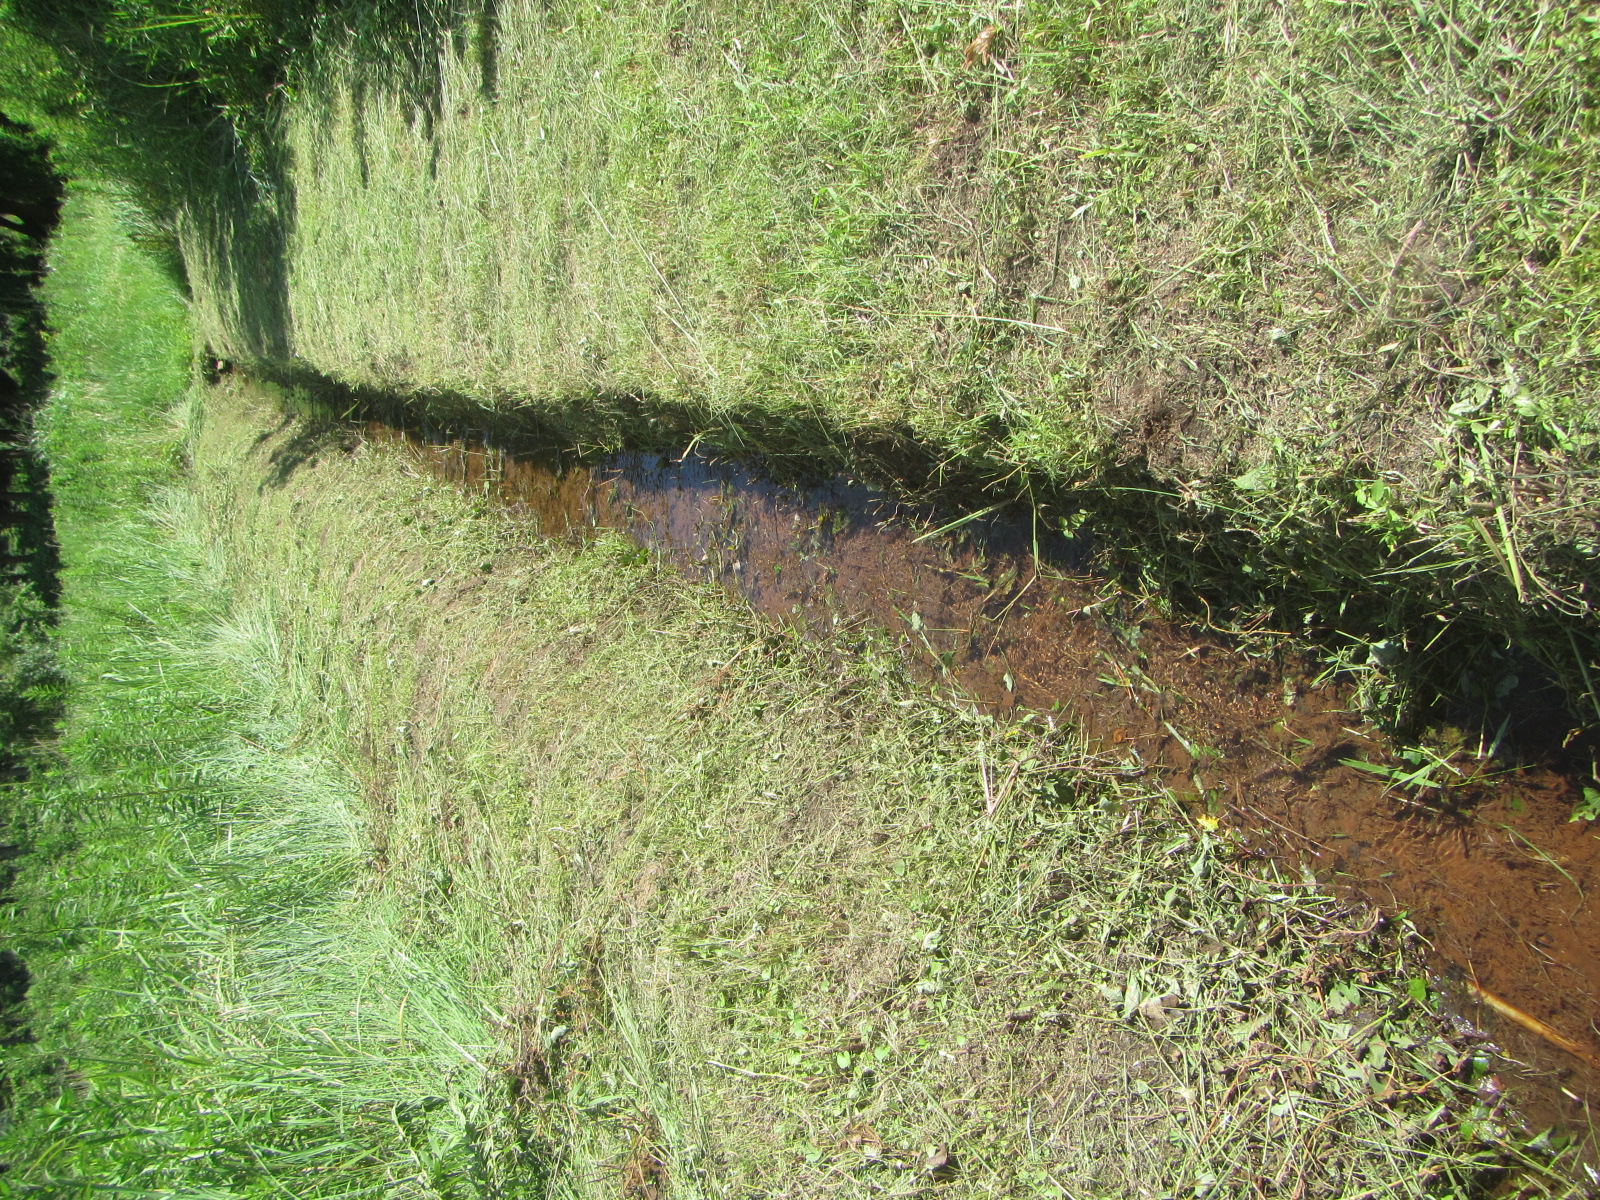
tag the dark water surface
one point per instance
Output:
(1490, 869)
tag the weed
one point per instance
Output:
(1420, 769)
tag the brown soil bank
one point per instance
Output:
(1293, 303)
(762, 915)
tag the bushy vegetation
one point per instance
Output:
(167, 96)
(30, 200)
(30, 194)
(29, 678)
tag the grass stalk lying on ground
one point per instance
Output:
(190, 903)
(392, 850)
(1297, 301)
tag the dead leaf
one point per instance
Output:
(1155, 1008)
(982, 48)
(860, 1136)
(644, 1175)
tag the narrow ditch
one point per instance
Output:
(1478, 847)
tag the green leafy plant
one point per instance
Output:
(1419, 769)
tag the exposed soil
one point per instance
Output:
(1489, 866)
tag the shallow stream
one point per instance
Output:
(1491, 869)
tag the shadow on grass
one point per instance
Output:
(309, 441)
(1484, 661)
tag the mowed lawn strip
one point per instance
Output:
(189, 901)
(1293, 304)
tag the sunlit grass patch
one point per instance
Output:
(766, 916)
(189, 902)
(1293, 303)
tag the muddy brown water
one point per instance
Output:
(1493, 871)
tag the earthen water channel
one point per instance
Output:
(1494, 872)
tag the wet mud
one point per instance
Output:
(1490, 866)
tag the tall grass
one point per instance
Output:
(214, 997)
(168, 96)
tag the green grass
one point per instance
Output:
(1296, 302)
(743, 913)
(188, 906)
(388, 849)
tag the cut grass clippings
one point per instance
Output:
(1293, 304)
(767, 918)
(390, 850)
